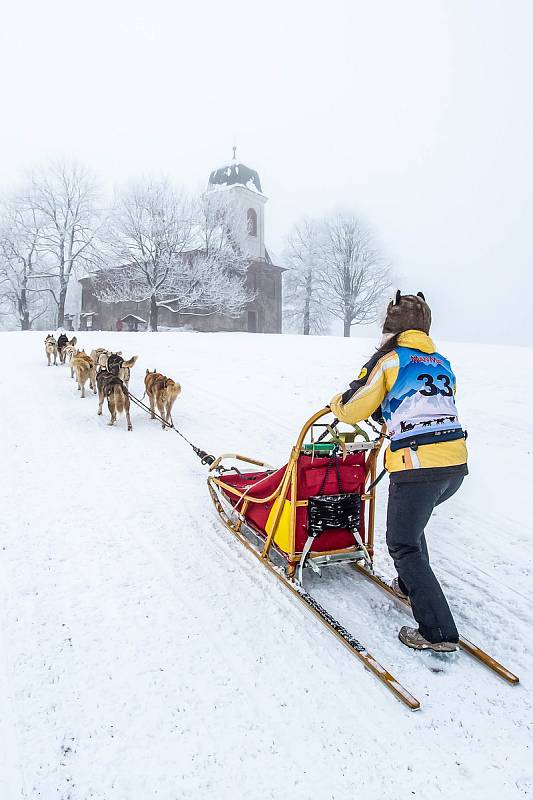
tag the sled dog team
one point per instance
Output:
(108, 374)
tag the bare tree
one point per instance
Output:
(147, 232)
(22, 291)
(356, 276)
(179, 255)
(304, 291)
(64, 197)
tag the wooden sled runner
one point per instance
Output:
(315, 512)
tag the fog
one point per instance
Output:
(418, 115)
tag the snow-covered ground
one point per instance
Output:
(145, 655)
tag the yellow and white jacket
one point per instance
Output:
(414, 388)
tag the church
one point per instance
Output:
(264, 278)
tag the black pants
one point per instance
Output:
(409, 509)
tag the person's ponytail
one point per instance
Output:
(386, 347)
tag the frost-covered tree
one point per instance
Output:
(304, 305)
(24, 295)
(174, 253)
(356, 276)
(65, 199)
(212, 276)
(146, 234)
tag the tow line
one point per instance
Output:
(204, 457)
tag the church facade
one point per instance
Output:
(264, 278)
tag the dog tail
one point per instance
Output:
(147, 373)
(118, 396)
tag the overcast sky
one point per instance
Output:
(417, 114)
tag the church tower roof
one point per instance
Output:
(235, 174)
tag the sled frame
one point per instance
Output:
(289, 481)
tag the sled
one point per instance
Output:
(316, 511)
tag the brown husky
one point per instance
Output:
(112, 387)
(83, 366)
(69, 353)
(162, 392)
(50, 348)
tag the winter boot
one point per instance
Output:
(412, 637)
(395, 586)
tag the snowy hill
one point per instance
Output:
(145, 655)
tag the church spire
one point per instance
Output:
(234, 153)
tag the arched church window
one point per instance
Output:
(252, 222)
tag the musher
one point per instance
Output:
(411, 387)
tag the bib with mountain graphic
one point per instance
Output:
(422, 397)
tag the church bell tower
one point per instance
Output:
(244, 188)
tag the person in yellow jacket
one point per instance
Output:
(410, 387)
